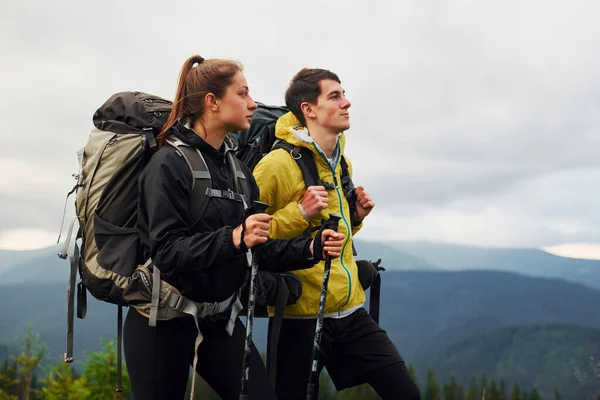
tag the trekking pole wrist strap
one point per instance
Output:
(242, 248)
(318, 243)
(247, 212)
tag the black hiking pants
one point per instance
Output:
(159, 359)
(354, 349)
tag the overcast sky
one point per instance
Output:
(472, 122)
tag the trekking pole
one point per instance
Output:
(313, 377)
(259, 207)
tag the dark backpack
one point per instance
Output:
(254, 144)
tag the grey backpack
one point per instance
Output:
(106, 252)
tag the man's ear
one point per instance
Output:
(307, 110)
(211, 102)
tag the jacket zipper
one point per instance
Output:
(335, 181)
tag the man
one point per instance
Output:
(354, 349)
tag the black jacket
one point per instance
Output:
(201, 260)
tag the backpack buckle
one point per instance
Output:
(326, 185)
(180, 304)
(149, 137)
(229, 194)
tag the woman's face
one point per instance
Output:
(236, 106)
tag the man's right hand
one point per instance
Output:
(314, 200)
(257, 231)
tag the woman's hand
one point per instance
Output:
(332, 242)
(257, 231)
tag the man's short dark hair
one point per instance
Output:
(305, 87)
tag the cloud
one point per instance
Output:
(26, 239)
(472, 121)
(588, 251)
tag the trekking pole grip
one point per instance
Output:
(333, 222)
(260, 207)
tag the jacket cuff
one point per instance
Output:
(356, 226)
(230, 246)
(303, 213)
(308, 255)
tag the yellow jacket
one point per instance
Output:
(282, 186)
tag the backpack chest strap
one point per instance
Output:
(202, 189)
(225, 194)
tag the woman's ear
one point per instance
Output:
(211, 102)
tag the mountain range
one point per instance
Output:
(520, 314)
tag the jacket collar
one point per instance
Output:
(183, 131)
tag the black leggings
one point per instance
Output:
(159, 359)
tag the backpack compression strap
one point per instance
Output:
(73, 262)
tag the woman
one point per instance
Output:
(205, 260)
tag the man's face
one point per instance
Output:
(331, 110)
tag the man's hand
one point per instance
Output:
(364, 203)
(314, 200)
(257, 231)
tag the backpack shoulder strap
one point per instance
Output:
(239, 179)
(266, 145)
(348, 189)
(308, 167)
(201, 179)
(348, 186)
(305, 161)
(310, 173)
(240, 183)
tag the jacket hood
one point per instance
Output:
(288, 128)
